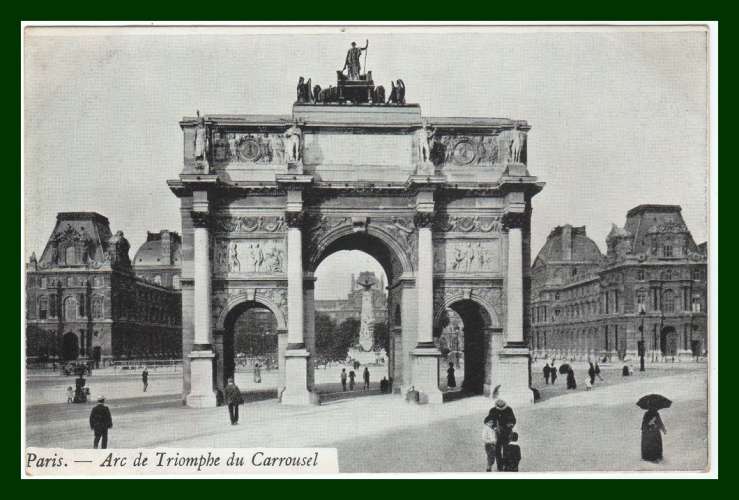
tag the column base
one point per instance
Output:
(426, 373)
(296, 390)
(201, 380)
(513, 376)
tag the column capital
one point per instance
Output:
(514, 220)
(295, 219)
(423, 219)
(200, 219)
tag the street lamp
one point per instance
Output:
(642, 313)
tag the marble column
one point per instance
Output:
(514, 370)
(296, 355)
(201, 357)
(426, 354)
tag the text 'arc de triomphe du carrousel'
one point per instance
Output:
(443, 204)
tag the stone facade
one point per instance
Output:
(450, 228)
(588, 305)
(83, 299)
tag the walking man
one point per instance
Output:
(352, 375)
(100, 422)
(546, 373)
(504, 421)
(343, 379)
(366, 377)
(233, 398)
(145, 378)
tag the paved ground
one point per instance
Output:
(596, 430)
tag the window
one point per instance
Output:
(667, 250)
(641, 297)
(43, 307)
(70, 308)
(97, 282)
(640, 274)
(42, 283)
(52, 305)
(696, 304)
(70, 281)
(97, 307)
(574, 272)
(176, 282)
(556, 295)
(71, 256)
(696, 274)
(81, 302)
(668, 301)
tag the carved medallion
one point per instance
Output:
(464, 153)
(249, 149)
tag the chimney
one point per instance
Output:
(567, 242)
(166, 247)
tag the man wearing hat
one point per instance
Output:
(503, 422)
(100, 422)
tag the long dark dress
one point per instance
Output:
(651, 436)
(571, 384)
(451, 380)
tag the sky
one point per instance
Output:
(618, 115)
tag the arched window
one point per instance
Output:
(43, 307)
(70, 308)
(668, 301)
(176, 282)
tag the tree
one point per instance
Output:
(382, 337)
(347, 336)
(325, 328)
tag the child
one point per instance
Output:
(588, 385)
(70, 394)
(511, 455)
(488, 439)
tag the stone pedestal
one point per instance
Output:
(513, 376)
(201, 386)
(296, 373)
(426, 373)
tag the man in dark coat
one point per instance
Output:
(145, 378)
(546, 373)
(100, 422)
(504, 420)
(366, 377)
(233, 398)
(553, 373)
(571, 384)
(591, 374)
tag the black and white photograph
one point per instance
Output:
(369, 250)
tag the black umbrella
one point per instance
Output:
(564, 368)
(653, 402)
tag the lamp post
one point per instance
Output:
(642, 313)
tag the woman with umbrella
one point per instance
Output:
(652, 426)
(566, 369)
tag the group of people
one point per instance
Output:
(499, 438)
(550, 373)
(352, 377)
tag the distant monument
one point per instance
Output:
(367, 328)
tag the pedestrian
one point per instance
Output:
(383, 385)
(571, 383)
(352, 376)
(597, 371)
(553, 373)
(70, 394)
(488, 439)
(343, 379)
(233, 398)
(257, 374)
(451, 380)
(511, 454)
(546, 373)
(588, 385)
(651, 437)
(366, 377)
(100, 422)
(591, 374)
(505, 420)
(625, 371)
(145, 378)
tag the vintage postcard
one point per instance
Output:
(367, 250)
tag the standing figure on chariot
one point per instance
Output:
(352, 64)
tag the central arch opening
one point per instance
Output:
(462, 341)
(352, 326)
(250, 350)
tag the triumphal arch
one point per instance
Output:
(444, 204)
